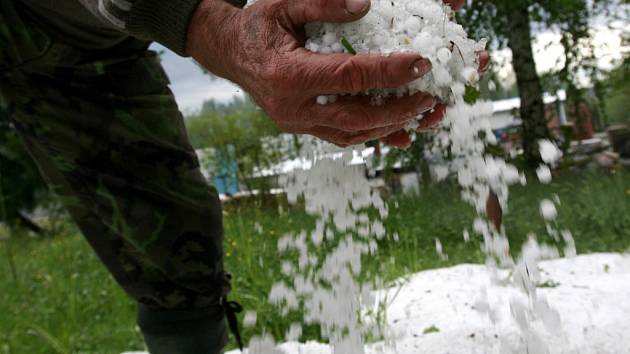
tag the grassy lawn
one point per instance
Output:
(65, 302)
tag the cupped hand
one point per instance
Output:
(262, 49)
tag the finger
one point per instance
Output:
(484, 61)
(455, 4)
(344, 139)
(347, 73)
(432, 119)
(304, 11)
(399, 139)
(353, 114)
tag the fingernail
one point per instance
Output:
(356, 6)
(421, 67)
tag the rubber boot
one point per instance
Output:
(195, 331)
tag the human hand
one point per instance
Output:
(261, 48)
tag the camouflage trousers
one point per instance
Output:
(107, 136)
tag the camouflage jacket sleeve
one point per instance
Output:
(163, 21)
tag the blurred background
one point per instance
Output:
(560, 70)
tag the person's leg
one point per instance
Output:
(108, 137)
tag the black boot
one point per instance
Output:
(195, 331)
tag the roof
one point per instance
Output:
(515, 102)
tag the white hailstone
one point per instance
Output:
(326, 50)
(544, 174)
(337, 48)
(287, 268)
(294, 333)
(387, 13)
(458, 89)
(549, 151)
(379, 40)
(438, 246)
(465, 178)
(323, 100)
(444, 55)
(442, 76)
(440, 172)
(511, 174)
(412, 25)
(548, 210)
(329, 38)
(439, 250)
(569, 249)
(313, 47)
(470, 75)
(422, 41)
(492, 86)
(412, 126)
(249, 320)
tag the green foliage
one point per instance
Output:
(431, 329)
(616, 90)
(239, 130)
(66, 302)
(548, 284)
(348, 46)
(471, 95)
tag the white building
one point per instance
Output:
(506, 111)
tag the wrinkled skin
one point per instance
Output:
(261, 48)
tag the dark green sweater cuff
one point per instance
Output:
(165, 22)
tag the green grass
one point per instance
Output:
(65, 302)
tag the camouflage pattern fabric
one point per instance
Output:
(105, 131)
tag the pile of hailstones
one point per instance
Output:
(339, 195)
(420, 26)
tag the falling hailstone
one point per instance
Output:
(549, 152)
(544, 174)
(548, 210)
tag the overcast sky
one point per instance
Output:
(192, 87)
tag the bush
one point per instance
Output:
(241, 132)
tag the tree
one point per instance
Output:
(510, 24)
(242, 130)
(615, 89)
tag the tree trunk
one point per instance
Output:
(529, 86)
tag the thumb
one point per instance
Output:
(455, 4)
(303, 11)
